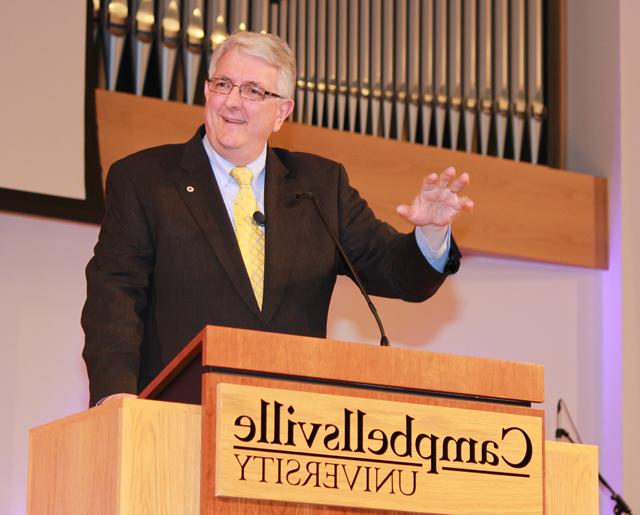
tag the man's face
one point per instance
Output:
(237, 128)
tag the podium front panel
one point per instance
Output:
(466, 489)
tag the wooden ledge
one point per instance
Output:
(244, 350)
(522, 210)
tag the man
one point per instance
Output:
(179, 249)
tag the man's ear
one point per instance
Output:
(284, 111)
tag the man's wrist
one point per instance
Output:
(436, 237)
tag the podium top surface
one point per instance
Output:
(304, 358)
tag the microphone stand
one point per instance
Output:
(307, 195)
(621, 506)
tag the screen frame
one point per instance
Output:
(91, 208)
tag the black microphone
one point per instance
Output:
(307, 195)
(259, 218)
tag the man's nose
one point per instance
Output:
(234, 98)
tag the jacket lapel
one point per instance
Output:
(199, 190)
(281, 232)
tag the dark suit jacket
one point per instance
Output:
(167, 261)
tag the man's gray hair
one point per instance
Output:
(267, 47)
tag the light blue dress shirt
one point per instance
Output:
(437, 258)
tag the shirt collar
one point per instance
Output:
(222, 168)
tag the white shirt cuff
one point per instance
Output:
(434, 243)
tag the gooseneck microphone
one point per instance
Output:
(307, 195)
(259, 218)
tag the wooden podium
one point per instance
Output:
(271, 423)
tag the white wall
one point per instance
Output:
(42, 375)
(630, 213)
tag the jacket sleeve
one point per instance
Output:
(118, 279)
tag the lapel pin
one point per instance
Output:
(190, 189)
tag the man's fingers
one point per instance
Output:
(439, 200)
(465, 203)
(446, 176)
(403, 210)
(430, 182)
(459, 182)
(442, 180)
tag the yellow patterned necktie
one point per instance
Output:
(250, 236)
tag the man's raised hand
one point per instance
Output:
(439, 201)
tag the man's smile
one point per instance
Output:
(235, 121)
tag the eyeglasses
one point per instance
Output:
(248, 91)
